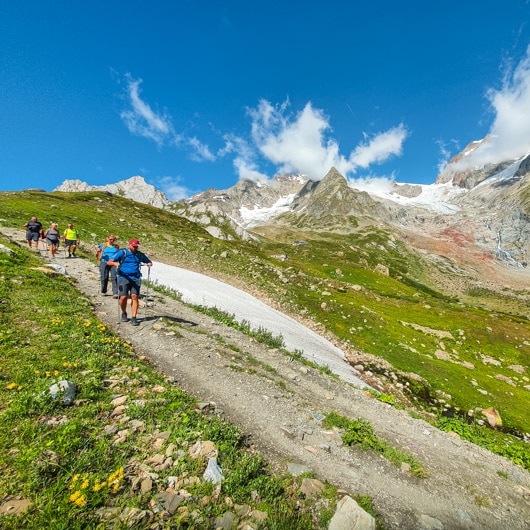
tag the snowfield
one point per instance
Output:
(200, 289)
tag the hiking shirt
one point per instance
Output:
(71, 234)
(130, 263)
(52, 235)
(34, 227)
(107, 253)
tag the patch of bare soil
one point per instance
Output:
(277, 402)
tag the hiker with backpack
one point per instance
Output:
(51, 237)
(105, 252)
(129, 260)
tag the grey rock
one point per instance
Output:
(225, 521)
(350, 516)
(297, 469)
(213, 472)
(427, 522)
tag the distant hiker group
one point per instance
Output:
(52, 237)
(120, 266)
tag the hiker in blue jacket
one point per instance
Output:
(105, 252)
(129, 261)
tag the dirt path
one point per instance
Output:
(277, 403)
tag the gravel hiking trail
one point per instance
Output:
(278, 403)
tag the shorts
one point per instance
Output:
(32, 236)
(53, 243)
(70, 242)
(127, 286)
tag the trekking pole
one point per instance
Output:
(147, 290)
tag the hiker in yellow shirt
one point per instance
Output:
(71, 240)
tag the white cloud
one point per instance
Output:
(200, 151)
(374, 185)
(301, 143)
(293, 142)
(244, 157)
(510, 133)
(380, 148)
(141, 119)
(172, 188)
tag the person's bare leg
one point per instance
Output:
(134, 304)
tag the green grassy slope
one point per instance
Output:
(462, 347)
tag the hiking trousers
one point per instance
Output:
(107, 272)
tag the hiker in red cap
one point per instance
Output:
(129, 261)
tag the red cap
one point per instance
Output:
(134, 243)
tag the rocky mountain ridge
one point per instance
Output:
(477, 218)
(135, 188)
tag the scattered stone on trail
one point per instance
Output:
(312, 487)
(297, 469)
(349, 515)
(505, 379)
(202, 448)
(170, 501)
(63, 388)
(288, 432)
(429, 523)
(225, 521)
(146, 486)
(120, 400)
(133, 516)
(6, 250)
(213, 472)
(258, 515)
(493, 417)
(486, 359)
(118, 411)
(517, 368)
(16, 506)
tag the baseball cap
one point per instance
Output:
(134, 243)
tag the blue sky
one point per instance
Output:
(198, 94)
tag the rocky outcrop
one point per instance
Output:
(135, 188)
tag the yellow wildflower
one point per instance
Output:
(10, 386)
(75, 496)
(81, 501)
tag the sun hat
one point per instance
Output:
(134, 243)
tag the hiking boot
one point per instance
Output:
(134, 322)
(124, 317)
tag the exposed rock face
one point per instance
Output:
(470, 177)
(135, 188)
(331, 204)
(244, 205)
(485, 215)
